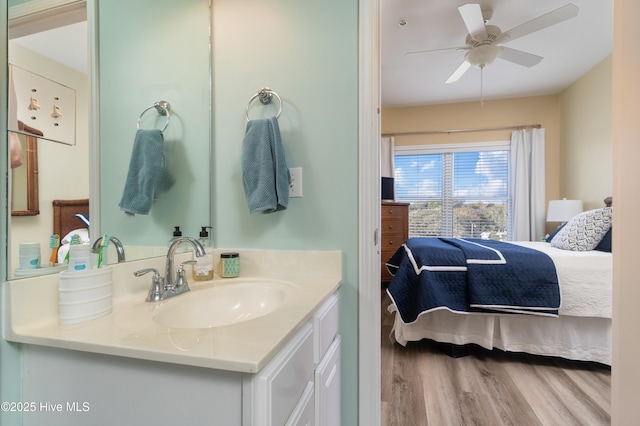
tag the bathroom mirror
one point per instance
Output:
(52, 170)
(23, 150)
(160, 50)
(158, 68)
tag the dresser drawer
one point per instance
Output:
(385, 255)
(394, 231)
(389, 211)
(393, 226)
(391, 242)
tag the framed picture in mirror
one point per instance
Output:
(24, 175)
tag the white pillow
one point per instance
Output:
(584, 231)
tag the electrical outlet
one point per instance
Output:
(295, 186)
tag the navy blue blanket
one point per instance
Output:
(471, 275)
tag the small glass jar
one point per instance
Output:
(229, 265)
(29, 255)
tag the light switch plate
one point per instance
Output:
(295, 186)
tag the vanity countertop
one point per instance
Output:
(31, 314)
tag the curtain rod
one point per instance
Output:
(478, 129)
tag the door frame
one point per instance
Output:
(369, 214)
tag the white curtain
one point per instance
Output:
(387, 146)
(527, 185)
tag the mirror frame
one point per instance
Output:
(33, 194)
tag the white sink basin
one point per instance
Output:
(242, 300)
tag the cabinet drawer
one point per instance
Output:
(393, 211)
(393, 226)
(385, 255)
(391, 243)
(325, 323)
(281, 383)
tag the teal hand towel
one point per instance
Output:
(145, 172)
(265, 174)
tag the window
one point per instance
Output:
(455, 190)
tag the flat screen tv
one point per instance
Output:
(387, 189)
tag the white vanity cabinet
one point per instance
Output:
(301, 384)
(280, 369)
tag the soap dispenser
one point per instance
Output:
(203, 269)
(177, 233)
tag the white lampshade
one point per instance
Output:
(563, 210)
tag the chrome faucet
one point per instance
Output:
(169, 286)
(169, 280)
(116, 242)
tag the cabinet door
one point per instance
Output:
(327, 382)
(305, 412)
(277, 389)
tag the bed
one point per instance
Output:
(64, 215)
(464, 303)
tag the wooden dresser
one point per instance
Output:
(394, 230)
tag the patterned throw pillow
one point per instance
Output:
(605, 244)
(554, 233)
(584, 231)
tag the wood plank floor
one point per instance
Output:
(421, 385)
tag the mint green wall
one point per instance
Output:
(154, 50)
(307, 52)
(10, 360)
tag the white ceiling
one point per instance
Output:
(66, 45)
(570, 49)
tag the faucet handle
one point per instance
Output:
(157, 284)
(186, 262)
(181, 280)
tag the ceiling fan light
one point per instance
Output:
(483, 55)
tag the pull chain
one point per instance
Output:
(481, 92)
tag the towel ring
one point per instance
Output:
(265, 95)
(163, 108)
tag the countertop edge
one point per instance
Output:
(50, 335)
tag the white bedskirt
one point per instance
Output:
(571, 337)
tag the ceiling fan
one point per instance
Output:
(484, 42)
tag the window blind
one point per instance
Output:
(458, 193)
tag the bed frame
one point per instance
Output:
(64, 211)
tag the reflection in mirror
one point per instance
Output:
(36, 101)
(23, 152)
(62, 170)
(150, 39)
(158, 68)
(42, 107)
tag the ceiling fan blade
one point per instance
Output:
(459, 72)
(519, 57)
(548, 19)
(472, 17)
(437, 50)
